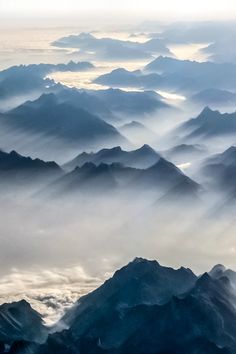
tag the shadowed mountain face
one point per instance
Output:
(184, 76)
(131, 103)
(208, 125)
(220, 171)
(140, 158)
(30, 80)
(42, 70)
(146, 308)
(22, 170)
(112, 104)
(159, 178)
(49, 117)
(196, 75)
(20, 323)
(124, 78)
(215, 97)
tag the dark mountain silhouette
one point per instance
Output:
(20, 169)
(141, 158)
(86, 179)
(30, 79)
(20, 323)
(49, 117)
(209, 124)
(163, 175)
(220, 170)
(160, 177)
(146, 308)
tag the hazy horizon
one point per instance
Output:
(26, 12)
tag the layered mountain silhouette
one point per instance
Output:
(141, 158)
(137, 132)
(220, 170)
(208, 124)
(131, 103)
(111, 48)
(124, 78)
(19, 169)
(49, 117)
(113, 105)
(215, 97)
(182, 76)
(186, 75)
(43, 69)
(184, 153)
(147, 308)
(30, 80)
(90, 178)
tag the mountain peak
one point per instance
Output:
(85, 35)
(217, 271)
(139, 260)
(146, 147)
(207, 109)
(46, 99)
(116, 149)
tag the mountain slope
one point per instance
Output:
(137, 79)
(49, 117)
(149, 309)
(161, 177)
(220, 170)
(207, 125)
(19, 322)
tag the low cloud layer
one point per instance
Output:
(50, 291)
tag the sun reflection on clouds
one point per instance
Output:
(50, 292)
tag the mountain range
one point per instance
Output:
(145, 308)
(169, 74)
(49, 117)
(112, 48)
(143, 157)
(207, 125)
(113, 105)
(220, 171)
(21, 170)
(90, 178)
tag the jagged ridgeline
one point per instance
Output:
(145, 308)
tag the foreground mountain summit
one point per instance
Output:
(144, 308)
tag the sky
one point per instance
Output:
(201, 9)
